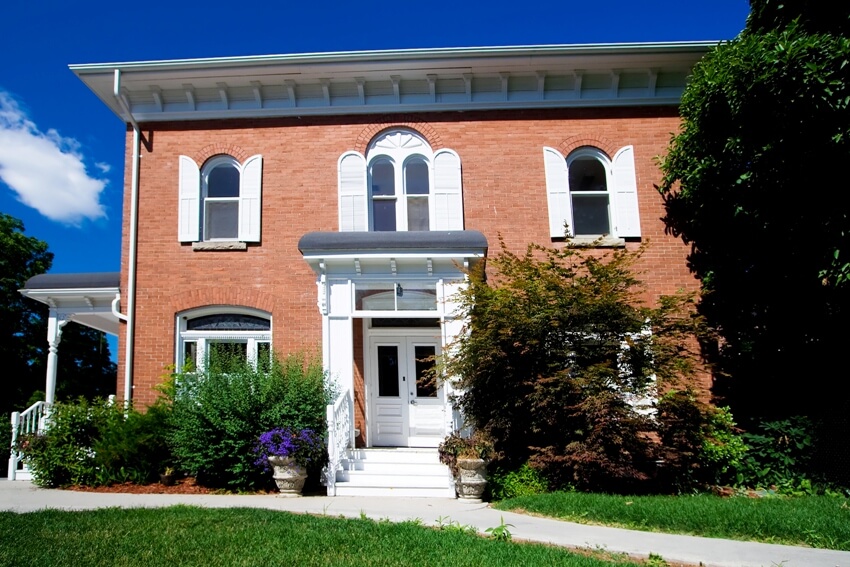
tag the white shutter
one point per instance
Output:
(625, 193)
(558, 192)
(447, 198)
(250, 199)
(353, 193)
(189, 198)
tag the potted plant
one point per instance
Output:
(168, 477)
(467, 459)
(288, 452)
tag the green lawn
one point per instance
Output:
(816, 521)
(202, 537)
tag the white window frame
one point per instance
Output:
(589, 152)
(204, 338)
(621, 177)
(206, 200)
(192, 198)
(399, 146)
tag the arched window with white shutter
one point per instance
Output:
(401, 184)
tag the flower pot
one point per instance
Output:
(167, 479)
(288, 475)
(471, 479)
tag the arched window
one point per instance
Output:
(588, 171)
(594, 196)
(401, 184)
(215, 333)
(220, 201)
(220, 191)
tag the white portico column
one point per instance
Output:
(54, 336)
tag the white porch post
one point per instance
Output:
(54, 336)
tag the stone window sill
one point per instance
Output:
(213, 246)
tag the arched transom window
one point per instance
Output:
(211, 334)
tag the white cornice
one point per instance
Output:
(420, 80)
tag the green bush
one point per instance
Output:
(218, 415)
(779, 455)
(525, 481)
(96, 443)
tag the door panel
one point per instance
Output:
(408, 406)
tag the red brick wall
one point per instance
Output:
(504, 193)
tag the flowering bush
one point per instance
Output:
(304, 445)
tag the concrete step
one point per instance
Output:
(344, 489)
(395, 455)
(394, 472)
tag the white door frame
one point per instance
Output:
(432, 413)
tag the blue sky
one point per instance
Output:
(62, 150)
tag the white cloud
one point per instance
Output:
(45, 170)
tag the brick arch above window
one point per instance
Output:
(606, 146)
(220, 148)
(372, 131)
(220, 297)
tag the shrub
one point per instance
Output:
(97, 443)
(524, 481)
(779, 454)
(218, 415)
(559, 354)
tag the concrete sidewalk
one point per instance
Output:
(19, 496)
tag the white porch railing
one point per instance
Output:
(340, 437)
(31, 420)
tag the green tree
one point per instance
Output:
(22, 330)
(556, 348)
(84, 368)
(754, 183)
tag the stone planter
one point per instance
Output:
(288, 475)
(471, 479)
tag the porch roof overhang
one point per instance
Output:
(392, 253)
(84, 298)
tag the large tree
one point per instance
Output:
(754, 183)
(84, 361)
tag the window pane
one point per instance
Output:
(223, 181)
(222, 219)
(416, 178)
(228, 322)
(374, 296)
(590, 214)
(223, 356)
(383, 178)
(388, 371)
(587, 174)
(190, 356)
(383, 215)
(426, 380)
(416, 297)
(264, 357)
(417, 213)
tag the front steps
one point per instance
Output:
(394, 471)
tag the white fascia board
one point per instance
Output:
(46, 295)
(402, 54)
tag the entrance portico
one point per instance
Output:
(388, 311)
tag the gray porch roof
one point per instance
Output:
(84, 298)
(367, 243)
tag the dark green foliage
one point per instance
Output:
(754, 182)
(218, 416)
(557, 345)
(22, 329)
(780, 454)
(701, 444)
(84, 361)
(524, 481)
(95, 443)
(456, 446)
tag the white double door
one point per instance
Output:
(406, 403)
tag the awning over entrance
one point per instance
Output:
(88, 299)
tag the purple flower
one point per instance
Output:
(304, 445)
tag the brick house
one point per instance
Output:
(330, 201)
